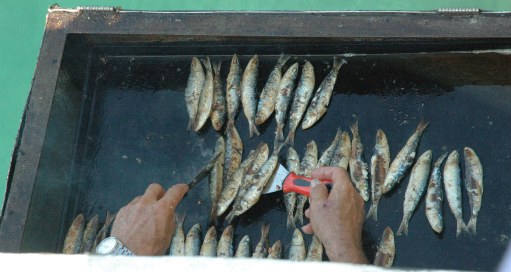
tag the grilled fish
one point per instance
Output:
(268, 97)
(225, 247)
(473, 185)
(177, 244)
(209, 246)
(322, 96)
(343, 152)
(261, 249)
(415, 189)
(74, 237)
(261, 156)
(358, 168)
(435, 196)
(248, 87)
(379, 166)
(233, 150)
(233, 89)
(328, 154)
(301, 99)
(275, 251)
(297, 250)
(386, 249)
(452, 183)
(89, 235)
(404, 159)
(103, 232)
(218, 111)
(193, 241)
(216, 178)
(193, 89)
(206, 98)
(243, 250)
(293, 165)
(315, 252)
(309, 162)
(286, 88)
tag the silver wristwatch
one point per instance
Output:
(112, 246)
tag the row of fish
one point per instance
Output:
(83, 236)
(205, 98)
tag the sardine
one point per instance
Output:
(297, 250)
(103, 232)
(380, 162)
(358, 168)
(243, 250)
(218, 111)
(275, 251)
(193, 89)
(230, 189)
(386, 249)
(286, 88)
(321, 99)
(193, 241)
(209, 246)
(309, 162)
(89, 234)
(301, 99)
(248, 87)
(328, 154)
(452, 183)
(225, 247)
(261, 249)
(293, 165)
(233, 150)
(315, 252)
(261, 156)
(268, 97)
(206, 98)
(473, 185)
(404, 159)
(74, 237)
(216, 178)
(415, 189)
(177, 244)
(435, 196)
(233, 89)
(343, 152)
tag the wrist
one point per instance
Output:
(113, 246)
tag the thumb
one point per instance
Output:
(319, 193)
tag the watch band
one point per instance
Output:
(112, 246)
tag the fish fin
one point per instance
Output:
(253, 129)
(290, 139)
(338, 63)
(373, 212)
(403, 228)
(471, 226)
(421, 127)
(283, 58)
(460, 227)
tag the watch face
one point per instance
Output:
(107, 246)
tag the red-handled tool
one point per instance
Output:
(291, 182)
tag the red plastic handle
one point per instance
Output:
(301, 184)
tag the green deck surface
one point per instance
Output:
(22, 27)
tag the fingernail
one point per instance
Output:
(314, 183)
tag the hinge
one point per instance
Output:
(459, 11)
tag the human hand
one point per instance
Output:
(336, 218)
(146, 224)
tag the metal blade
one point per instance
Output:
(275, 184)
(204, 171)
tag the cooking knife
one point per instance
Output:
(291, 182)
(204, 171)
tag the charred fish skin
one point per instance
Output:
(218, 111)
(206, 98)
(309, 162)
(103, 232)
(386, 249)
(286, 88)
(452, 186)
(193, 89)
(415, 189)
(404, 158)
(275, 251)
(89, 234)
(74, 237)
(261, 250)
(243, 250)
(358, 168)
(268, 97)
(435, 196)
(233, 89)
(193, 241)
(248, 87)
(177, 244)
(297, 250)
(321, 99)
(233, 150)
(225, 247)
(380, 162)
(328, 155)
(473, 185)
(301, 99)
(216, 178)
(343, 152)
(293, 165)
(209, 246)
(315, 252)
(250, 172)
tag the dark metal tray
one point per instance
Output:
(106, 115)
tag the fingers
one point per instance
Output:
(319, 193)
(335, 174)
(307, 229)
(308, 213)
(135, 200)
(174, 195)
(154, 192)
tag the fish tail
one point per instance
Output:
(180, 218)
(283, 58)
(354, 128)
(299, 212)
(213, 215)
(403, 228)
(338, 63)
(460, 227)
(471, 226)
(265, 231)
(216, 67)
(230, 216)
(373, 212)
(290, 140)
(190, 125)
(253, 129)
(290, 220)
(421, 127)
(279, 136)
